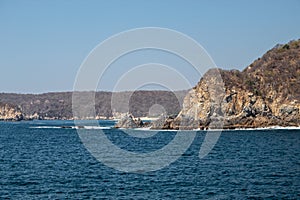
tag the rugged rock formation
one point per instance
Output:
(163, 122)
(128, 121)
(9, 112)
(266, 93)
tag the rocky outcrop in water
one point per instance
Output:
(163, 122)
(10, 112)
(128, 121)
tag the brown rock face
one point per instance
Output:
(10, 112)
(266, 93)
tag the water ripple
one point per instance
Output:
(38, 163)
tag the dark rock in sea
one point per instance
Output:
(139, 122)
(67, 127)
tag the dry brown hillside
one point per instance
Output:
(266, 93)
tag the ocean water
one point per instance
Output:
(41, 160)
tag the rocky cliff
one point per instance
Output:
(266, 93)
(10, 112)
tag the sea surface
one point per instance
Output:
(48, 160)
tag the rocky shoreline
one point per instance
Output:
(169, 123)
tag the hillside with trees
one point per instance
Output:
(58, 105)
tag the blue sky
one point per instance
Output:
(43, 43)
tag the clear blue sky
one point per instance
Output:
(43, 43)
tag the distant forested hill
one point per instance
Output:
(58, 105)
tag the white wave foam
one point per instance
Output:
(142, 129)
(45, 127)
(94, 127)
(71, 127)
(266, 128)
